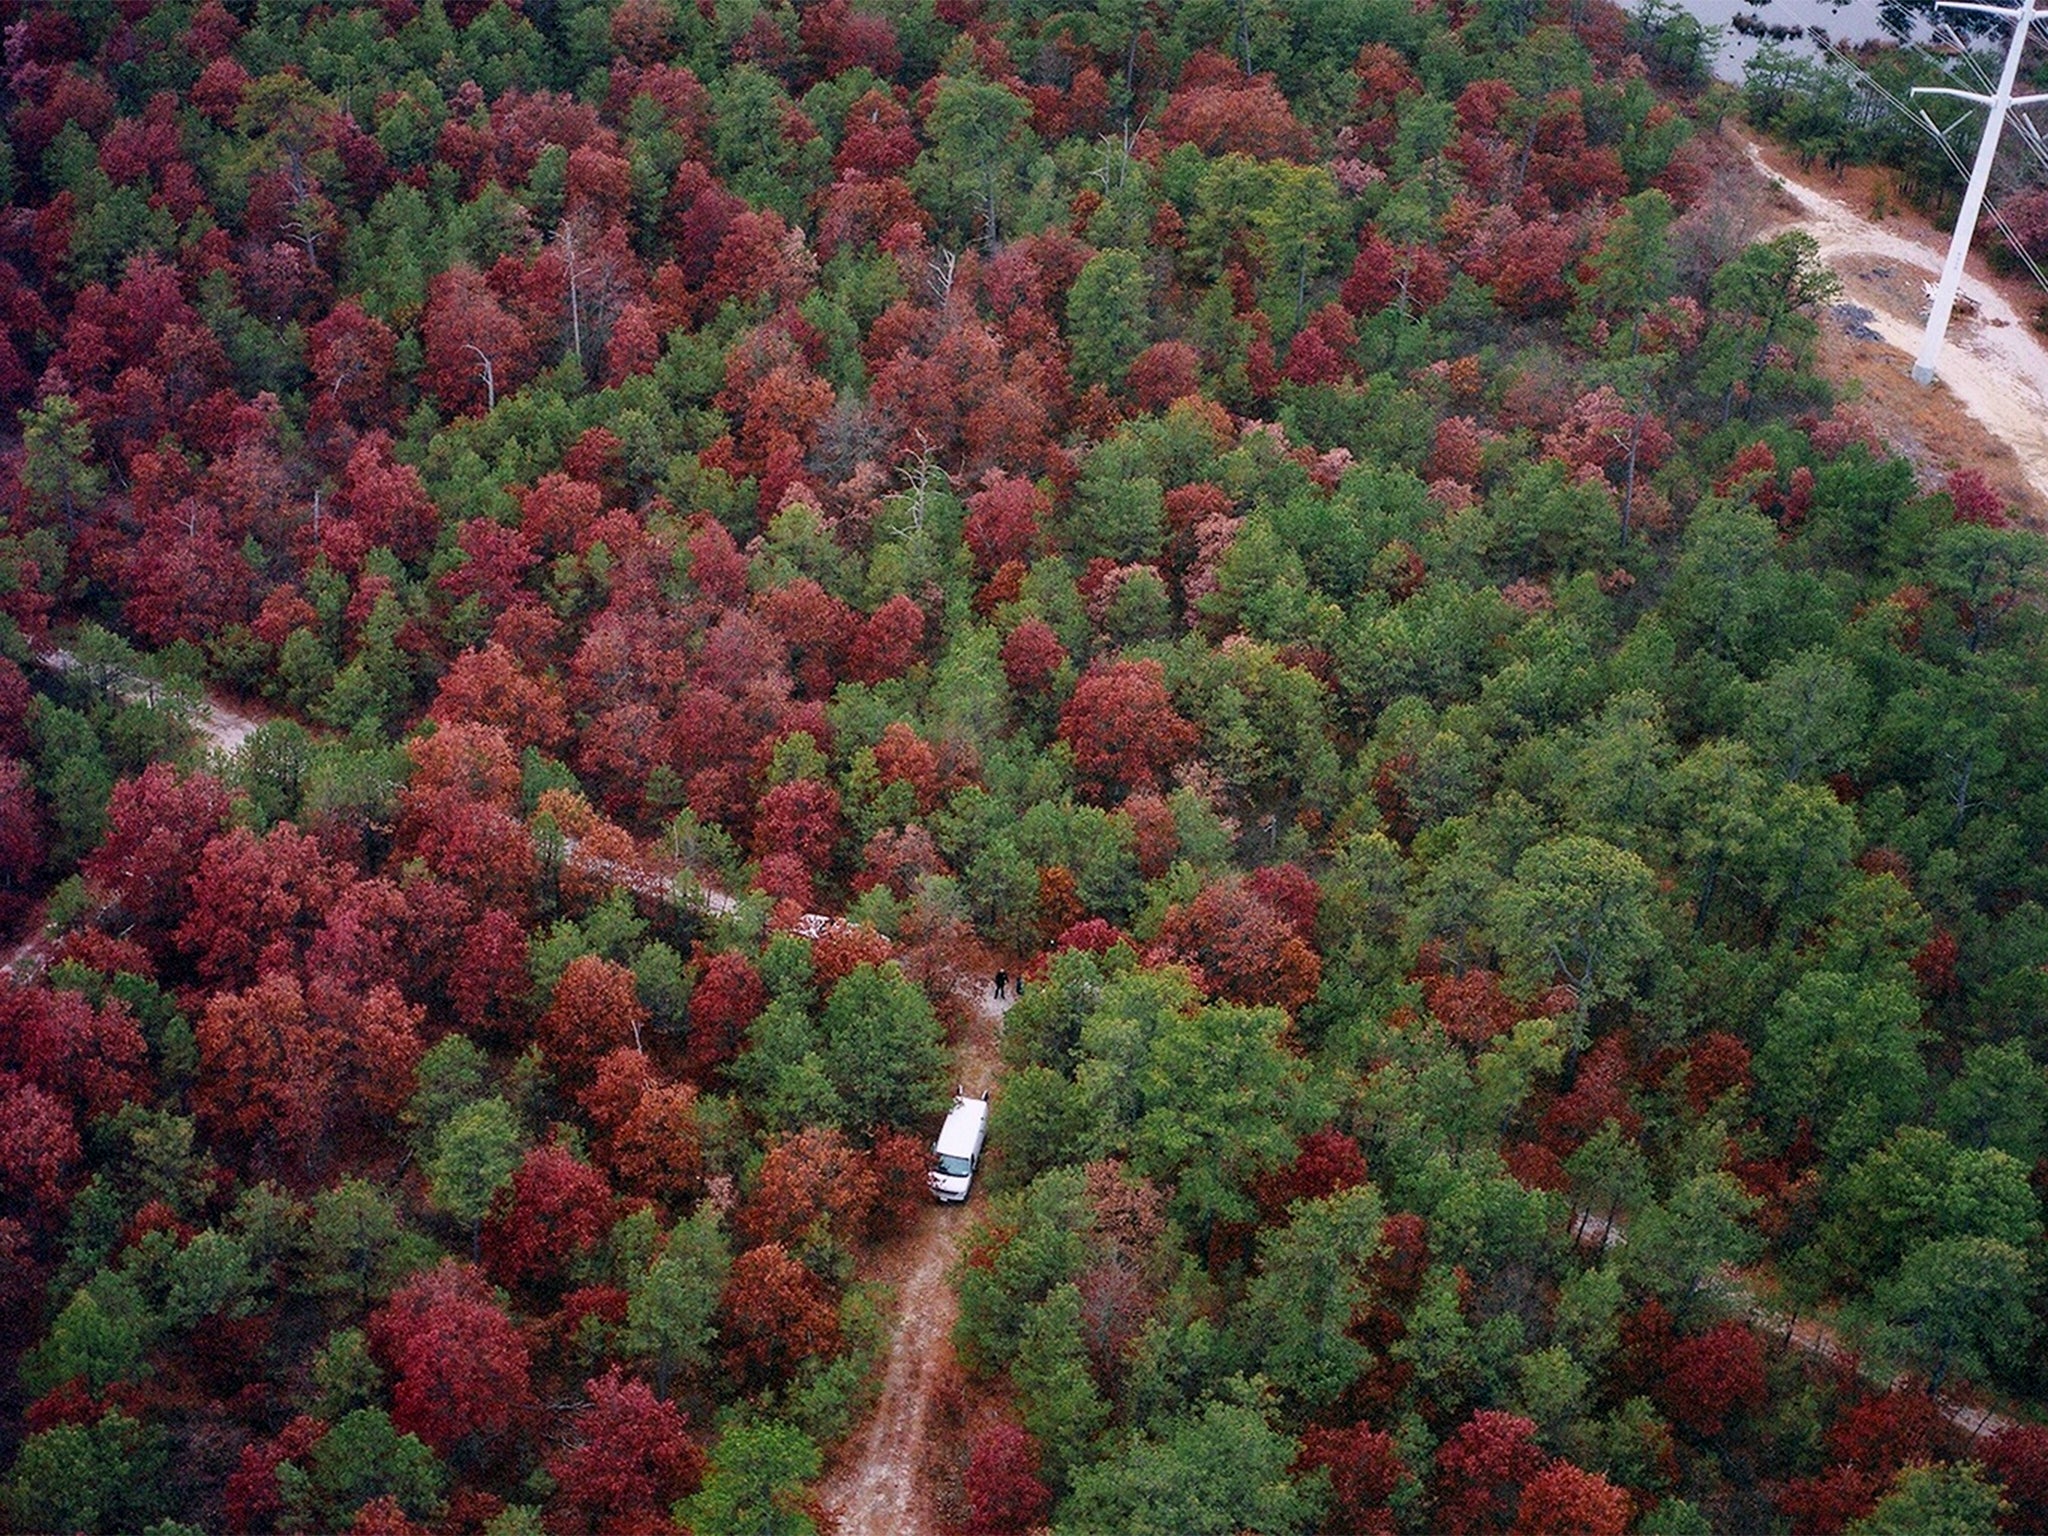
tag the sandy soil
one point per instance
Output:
(32, 953)
(883, 1486)
(1993, 365)
(223, 726)
(220, 724)
(226, 726)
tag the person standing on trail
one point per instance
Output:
(1002, 981)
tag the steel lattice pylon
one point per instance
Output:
(2000, 102)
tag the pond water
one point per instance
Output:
(1847, 21)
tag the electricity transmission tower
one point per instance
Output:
(2001, 101)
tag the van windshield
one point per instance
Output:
(954, 1167)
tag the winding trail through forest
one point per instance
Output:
(221, 725)
(880, 1488)
(1810, 1336)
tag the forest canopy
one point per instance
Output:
(1308, 530)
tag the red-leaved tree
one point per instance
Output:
(2018, 1457)
(1005, 1495)
(1481, 1471)
(158, 824)
(1567, 1500)
(1365, 1468)
(459, 1367)
(776, 1314)
(268, 1071)
(595, 1008)
(1241, 947)
(1710, 1376)
(629, 1458)
(1123, 728)
(553, 1210)
(727, 998)
(812, 1186)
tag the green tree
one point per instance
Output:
(363, 1457)
(1710, 799)
(1038, 1122)
(1809, 715)
(1108, 317)
(101, 1336)
(1840, 1053)
(103, 1476)
(1617, 770)
(671, 1308)
(1580, 908)
(1729, 592)
(1917, 1188)
(1313, 1281)
(755, 1483)
(1961, 1303)
(2000, 1099)
(1608, 1172)
(1118, 510)
(1802, 854)
(1764, 299)
(883, 1051)
(979, 144)
(1057, 1398)
(473, 1158)
(357, 1246)
(58, 471)
(1443, 1346)
(1220, 1470)
(1938, 1500)
(453, 1074)
(1220, 1098)
(1988, 573)
(75, 778)
(1634, 268)
(212, 1276)
(1553, 1389)
(1300, 221)
(1677, 1246)
(1032, 1241)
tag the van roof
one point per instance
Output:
(960, 1136)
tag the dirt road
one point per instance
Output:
(1993, 363)
(882, 1487)
(221, 725)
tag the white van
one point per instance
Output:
(957, 1152)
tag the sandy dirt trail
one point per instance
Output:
(1992, 363)
(880, 1489)
(221, 725)
(1809, 1336)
